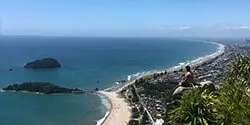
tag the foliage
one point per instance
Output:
(135, 97)
(195, 107)
(47, 88)
(157, 89)
(145, 118)
(140, 120)
(230, 106)
(45, 63)
(234, 101)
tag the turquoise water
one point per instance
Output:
(87, 63)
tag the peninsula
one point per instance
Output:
(41, 87)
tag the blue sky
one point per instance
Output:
(163, 18)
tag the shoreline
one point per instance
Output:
(108, 105)
(117, 114)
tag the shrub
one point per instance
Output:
(195, 108)
(234, 100)
(231, 106)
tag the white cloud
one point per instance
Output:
(172, 27)
(184, 27)
(244, 27)
(239, 27)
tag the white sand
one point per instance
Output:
(120, 110)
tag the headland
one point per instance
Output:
(120, 112)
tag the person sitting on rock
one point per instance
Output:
(187, 81)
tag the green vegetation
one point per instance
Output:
(135, 97)
(42, 87)
(45, 63)
(195, 108)
(229, 106)
(234, 100)
(140, 120)
(161, 90)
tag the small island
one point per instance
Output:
(45, 63)
(41, 87)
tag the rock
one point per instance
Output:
(45, 63)
(178, 91)
(208, 85)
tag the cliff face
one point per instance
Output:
(42, 87)
(45, 63)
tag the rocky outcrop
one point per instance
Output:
(45, 63)
(208, 85)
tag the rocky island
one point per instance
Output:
(41, 87)
(45, 63)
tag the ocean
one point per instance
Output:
(87, 63)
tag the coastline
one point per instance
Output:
(108, 105)
(119, 112)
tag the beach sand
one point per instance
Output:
(120, 111)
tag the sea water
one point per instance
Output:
(87, 63)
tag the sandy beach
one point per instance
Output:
(120, 110)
